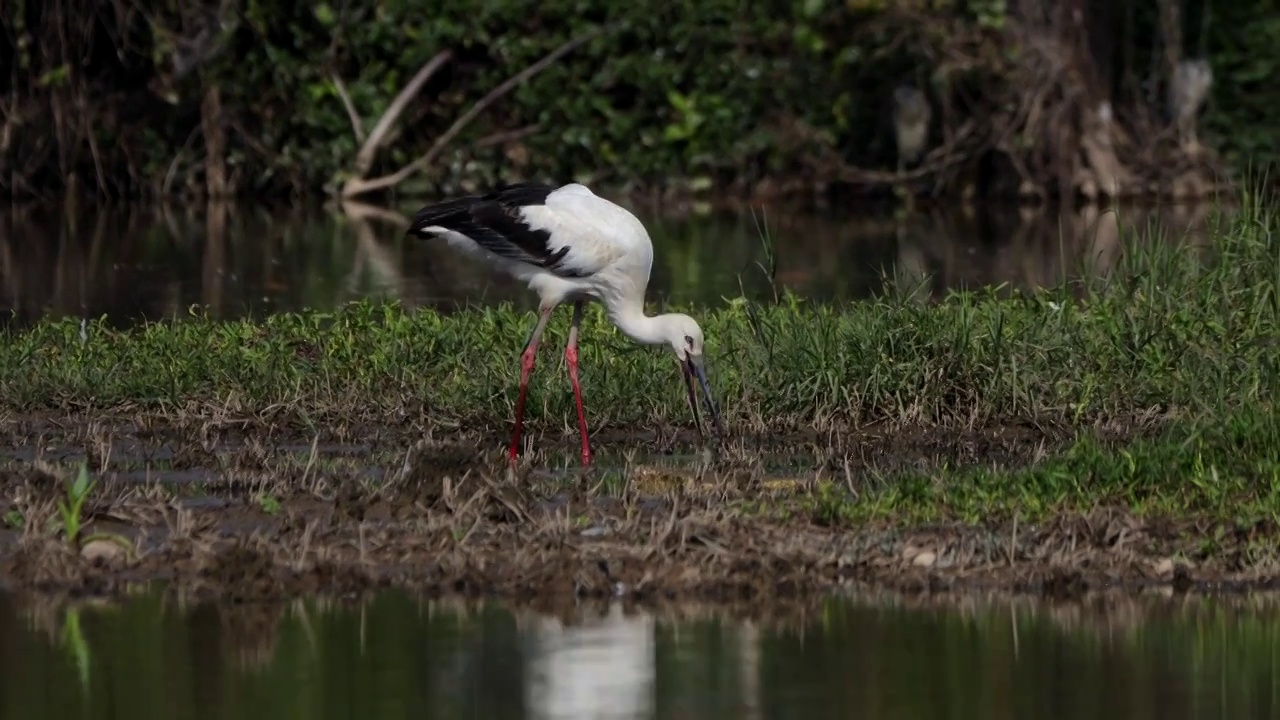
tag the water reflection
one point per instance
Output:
(599, 668)
(392, 657)
(135, 263)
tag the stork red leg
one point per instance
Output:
(571, 357)
(526, 369)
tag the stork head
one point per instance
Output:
(685, 337)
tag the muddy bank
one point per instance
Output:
(242, 515)
(215, 445)
(491, 537)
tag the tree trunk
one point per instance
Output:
(1074, 114)
(215, 143)
(1171, 35)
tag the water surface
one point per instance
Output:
(134, 263)
(394, 657)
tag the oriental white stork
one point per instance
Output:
(569, 245)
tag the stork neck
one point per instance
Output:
(631, 320)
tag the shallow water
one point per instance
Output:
(138, 263)
(396, 657)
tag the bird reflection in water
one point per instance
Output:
(603, 667)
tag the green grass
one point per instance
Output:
(1225, 471)
(1174, 328)
(1189, 334)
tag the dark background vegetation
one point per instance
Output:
(142, 97)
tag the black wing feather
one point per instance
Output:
(492, 220)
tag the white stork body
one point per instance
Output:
(568, 245)
(573, 245)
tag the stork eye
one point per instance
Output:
(689, 340)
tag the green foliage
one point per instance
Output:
(1242, 115)
(1220, 467)
(673, 91)
(716, 91)
(71, 507)
(14, 519)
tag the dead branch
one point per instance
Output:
(506, 136)
(10, 124)
(361, 212)
(364, 158)
(358, 185)
(99, 173)
(938, 160)
(357, 126)
(171, 173)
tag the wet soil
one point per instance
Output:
(244, 510)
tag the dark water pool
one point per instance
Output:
(873, 658)
(133, 263)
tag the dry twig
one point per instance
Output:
(364, 158)
(358, 185)
(357, 126)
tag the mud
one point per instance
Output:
(240, 510)
(198, 445)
